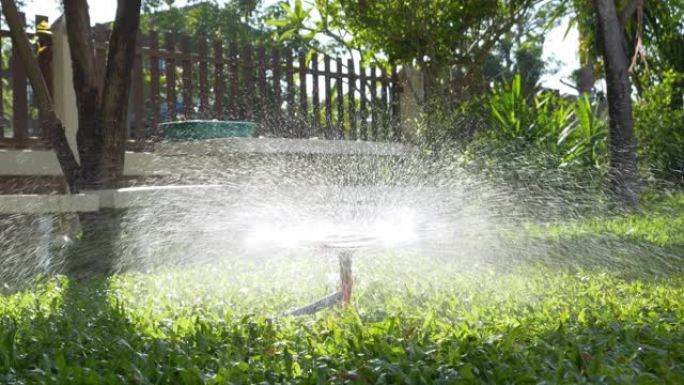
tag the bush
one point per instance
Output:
(660, 130)
(573, 131)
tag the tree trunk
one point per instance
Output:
(585, 81)
(122, 50)
(89, 133)
(101, 132)
(622, 175)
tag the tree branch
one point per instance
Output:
(48, 118)
(86, 87)
(82, 53)
(628, 11)
(120, 58)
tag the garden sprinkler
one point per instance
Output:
(345, 248)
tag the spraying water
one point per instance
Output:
(277, 210)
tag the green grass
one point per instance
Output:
(415, 319)
(661, 223)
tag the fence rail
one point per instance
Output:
(289, 93)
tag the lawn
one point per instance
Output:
(415, 319)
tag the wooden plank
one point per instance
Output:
(290, 91)
(339, 129)
(154, 83)
(395, 117)
(374, 103)
(384, 103)
(219, 83)
(234, 108)
(315, 119)
(171, 76)
(188, 103)
(303, 97)
(248, 83)
(19, 96)
(137, 90)
(328, 98)
(363, 126)
(203, 78)
(262, 97)
(32, 143)
(353, 135)
(276, 105)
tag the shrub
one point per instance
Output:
(573, 131)
(660, 130)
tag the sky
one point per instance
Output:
(558, 48)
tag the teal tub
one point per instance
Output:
(207, 129)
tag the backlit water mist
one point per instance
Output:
(275, 212)
(298, 204)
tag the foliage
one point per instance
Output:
(234, 20)
(660, 129)
(416, 319)
(662, 33)
(523, 57)
(449, 41)
(572, 130)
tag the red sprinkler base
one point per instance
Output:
(346, 276)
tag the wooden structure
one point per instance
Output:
(290, 94)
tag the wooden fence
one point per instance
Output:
(290, 94)
(19, 126)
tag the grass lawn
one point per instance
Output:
(416, 319)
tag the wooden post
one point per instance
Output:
(374, 103)
(19, 96)
(362, 107)
(154, 83)
(138, 101)
(219, 83)
(234, 109)
(248, 83)
(353, 135)
(203, 78)
(384, 103)
(395, 106)
(290, 95)
(276, 121)
(328, 98)
(315, 121)
(303, 98)
(262, 99)
(339, 131)
(171, 76)
(188, 103)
